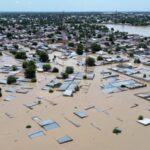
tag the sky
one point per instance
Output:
(74, 5)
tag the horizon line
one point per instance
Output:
(130, 11)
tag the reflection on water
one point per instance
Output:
(142, 30)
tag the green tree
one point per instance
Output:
(30, 72)
(90, 61)
(99, 58)
(43, 56)
(116, 131)
(140, 117)
(64, 75)
(14, 68)
(71, 44)
(20, 55)
(95, 47)
(30, 63)
(46, 67)
(79, 50)
(9, 35)
(30, 69)
(69, 70)
(137, 61)
(11, 79)
(55, 70)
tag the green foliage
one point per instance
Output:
(20, 55)
(55, 70)
(116, 131)
(95, 47)
(137, 61)
(99, 36)
(131, 55)
(79, 50)
(51, 91)
(1, 54)
(9, 35)
(69, 70)
(140, 118)
(46, 67)
(64, 75)
(142, 45)
(144, 76)
(77, 88)
(39, 102)
(84, 77)
(33, 80)
(11, 80)
(43, 56)
(30, 72)
(16, 46)
(118, 48)
(111, 38)
(25, 64)
(99, 58)
(30, 69)
(28, 126)
(123, 86)
(14, 68)
(90, 61)
(71, 44)
(28, 64)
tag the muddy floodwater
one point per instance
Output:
(95, 131)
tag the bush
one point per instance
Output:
(51, 91)
(55, 70)
(33, 80)
(116, 131)
(30, 72)
(43, 56)
(140, 118)
(64, 75)
(9, 35)
(24, 64)
(69, 70)
(142, 45)
(1, 54)
(11, 79)
(77, 88)
(39, 102)
(84, 77)
(20, 55)
(137, 61)
(46, 67)
(16, 46)
(71, 44)
(144, 76)
(99, 58)
(30, 69)
(95, 47)
(28, 126)
(90, 61)
(118, 48)
(14, 68)
(131, 55)
(123, 86)
(28, 64)
(79, 50)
